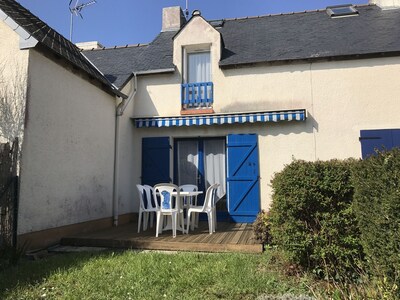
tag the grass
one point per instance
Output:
(147, 275)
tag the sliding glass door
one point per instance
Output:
(214, 164)
(201, 161)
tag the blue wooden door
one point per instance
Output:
(155, 160)
(380, 139)
(243, 177)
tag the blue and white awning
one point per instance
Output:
(220, 119)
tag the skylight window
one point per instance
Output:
(344, 10)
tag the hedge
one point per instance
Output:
(312, 217)
(377, 207)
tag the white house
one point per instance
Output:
(256, 92)
(67, 162)
(228, 101)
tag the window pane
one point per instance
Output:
(214, 163)
(188, 162)
(199, 67)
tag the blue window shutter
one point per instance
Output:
(243, 177)
(380, 139)
(155, 160)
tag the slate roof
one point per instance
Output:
(311, 35)
(118, 63)
(51, 39)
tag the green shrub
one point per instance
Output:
(377, 207)
(262, 228)
(312, 217)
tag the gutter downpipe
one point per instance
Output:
(119, 112)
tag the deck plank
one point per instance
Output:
(232, 233)
(245, 234)
(229, 237)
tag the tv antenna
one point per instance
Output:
(187, 10)
(76, 10)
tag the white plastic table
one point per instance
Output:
(168, 226)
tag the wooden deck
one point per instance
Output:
(229, 237)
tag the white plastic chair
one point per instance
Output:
(190, 200)
(151, 196)
(146, 206)
(170, 205)
(208, 207)
(189, 188)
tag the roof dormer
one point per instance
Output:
(197, 51)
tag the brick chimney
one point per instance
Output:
(172, 18)
(386, 4)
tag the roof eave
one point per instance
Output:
(119, 93)
(26, 39)
(310, 59)
(156, 71)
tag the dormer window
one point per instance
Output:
(197, 87)
(198, 67)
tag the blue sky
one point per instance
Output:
(121, 22)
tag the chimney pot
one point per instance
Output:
(196, 13)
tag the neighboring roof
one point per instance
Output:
(310, 35)
(119, 63)
(51, 39)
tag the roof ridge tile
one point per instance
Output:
(285, 14)
(116, 47)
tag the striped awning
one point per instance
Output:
(220, 119)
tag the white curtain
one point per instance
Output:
(214, 164)
(199, 67)
(188, 162)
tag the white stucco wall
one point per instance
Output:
(128, 161)
(341, 98)
(68, 151)
(13, 62)
(11, 58)
(352, 95)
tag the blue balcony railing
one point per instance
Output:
(197, 95)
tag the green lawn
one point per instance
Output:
(147, 275)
